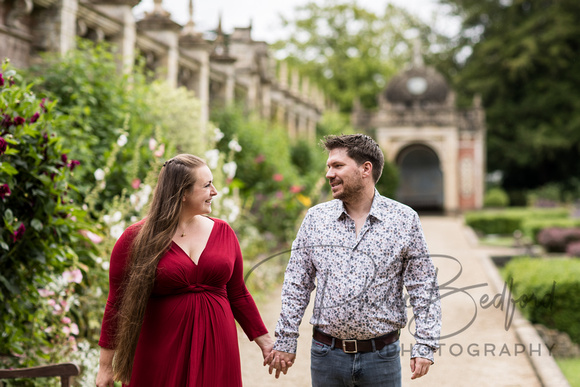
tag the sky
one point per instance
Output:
(265, 19)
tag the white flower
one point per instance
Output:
(230, 169)
(122, 140)
(231, 209)
(235, 146)
(107, 219)
(225, 190)
(74, 329)
(212, 156)
(116, 231)
(106, 265)
(217, 134)
(117, 216)
(99, 174)
(73, 276)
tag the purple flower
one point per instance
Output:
(64, 158)
(42, 105)
(73, 164)
(4, 191)
(19, 232)
(19, 121)
(1, 80)
(6, 121)
(34, 117)
(3, 145)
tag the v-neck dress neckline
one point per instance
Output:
(204, 247)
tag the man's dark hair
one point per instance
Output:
(360, 148)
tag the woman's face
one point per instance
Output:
(197, 201)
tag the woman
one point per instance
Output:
(176, 285)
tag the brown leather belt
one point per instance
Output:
(354, 346)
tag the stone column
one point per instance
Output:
(126, 41)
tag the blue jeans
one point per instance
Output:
(331, 367)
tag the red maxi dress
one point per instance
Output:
(189, 336)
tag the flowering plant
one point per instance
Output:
(40, 236)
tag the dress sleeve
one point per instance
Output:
(117, 271)
(243, 306)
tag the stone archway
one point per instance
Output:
(421, 178)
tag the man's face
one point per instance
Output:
(344, 175)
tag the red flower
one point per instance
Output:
(295, 188)
(19, 232)
(19, 121)
(42, 105)
(73, 164)
(4, 191)
(278, 177)
(3, 145)
(34, 117)
(7, 121)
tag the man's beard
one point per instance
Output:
(351, 191)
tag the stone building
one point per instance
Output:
(219, 71)
(438, 149)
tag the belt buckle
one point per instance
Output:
(349, 341)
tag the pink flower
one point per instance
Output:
(45, 293)
(66, 330)
(136, 183)
(19, 121)
(260, 159)
(3, 145)
(159, 152)
(278, 177)
(19, 232)
(152, 144)
(74, 329)
(92, 236)
(34, 117)
(66, 320)
(51, 302)
(4, 191)
(279, 195)
(42, 105)
(1, 80)
(295, 188)
(73, 276)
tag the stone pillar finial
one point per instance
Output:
(158, 6)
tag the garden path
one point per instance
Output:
(476, 349)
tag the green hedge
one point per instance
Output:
(532, 227)
(509, 220)
(541, 278)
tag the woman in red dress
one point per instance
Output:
(176, 286)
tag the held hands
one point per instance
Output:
(280, 361)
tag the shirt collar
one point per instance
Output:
(376, 211)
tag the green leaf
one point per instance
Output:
(4, 245)
(8, 285)
(8, 216)
(36, 224)
(8, 169)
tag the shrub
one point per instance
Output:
(496, 197)
(532, 226)
(43, 240)
(556, 281)
(555, 240)
(508, 220)
(573, 249)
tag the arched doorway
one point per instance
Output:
(421, 178)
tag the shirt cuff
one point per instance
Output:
(286, 345)
(424, 351)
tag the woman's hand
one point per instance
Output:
(266, 344)
(105, 376)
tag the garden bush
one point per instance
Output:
(508, 220)
(532, 226)
(496, 198)
(555, 239)
(44, 244)
(551, 288)
(573, 249)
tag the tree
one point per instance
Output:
(524, 64)
(349, 51)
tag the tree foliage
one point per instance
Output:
(524, 63)
(349, 51)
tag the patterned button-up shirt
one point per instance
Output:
(360, 278)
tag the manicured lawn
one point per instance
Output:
(497, 241)
(570, 369)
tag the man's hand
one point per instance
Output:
(419, 367)
(280, 361)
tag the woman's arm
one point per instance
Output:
(105, 376)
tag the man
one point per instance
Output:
(361, 249)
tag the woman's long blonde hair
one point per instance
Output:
(152, 241)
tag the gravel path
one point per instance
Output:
(478, 350)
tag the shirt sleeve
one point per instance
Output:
(420, 279)
(298, 285)
(118, 266)
(243, 306)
